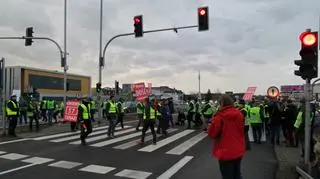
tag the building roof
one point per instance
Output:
(48, 71)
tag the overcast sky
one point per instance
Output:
(250, 42)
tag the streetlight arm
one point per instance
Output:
(117, 36)
(40, 38)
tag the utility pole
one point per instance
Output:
(101, 64)
(199, 85)
(65, 67)
(3, 98)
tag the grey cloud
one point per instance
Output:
(256, 62)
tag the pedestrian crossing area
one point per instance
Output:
(179, 140)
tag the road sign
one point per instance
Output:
(273, 92)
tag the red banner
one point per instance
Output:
(249, 93)
(71, 111)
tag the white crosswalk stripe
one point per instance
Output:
(77, 136)
(134, 142)
(180, 149)
(151, 148)
(64, 134)
(178, 142)
(105, 136)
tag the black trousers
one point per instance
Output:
(112, 124)
(230, 169)
(146, 124)
(33, 118)
(140, 118)
(246, 130)
(190, 119)
(120, 120)
(257, 131)
(13, 120)
(86, 129)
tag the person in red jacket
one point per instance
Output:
(227, 130)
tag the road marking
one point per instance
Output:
(14, 141)
(134, 142)
(13, 156)
(65, 164)
(2, 152)
(92, 139)
(97, 169)
(119, 139)
(180, 149)
(175, 168)
(64, 134)
(37, 160)
(133, 174)
(16, 169)
(77, 136)
(151, 148)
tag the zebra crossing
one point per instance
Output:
(179, 140)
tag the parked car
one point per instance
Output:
(130, 107)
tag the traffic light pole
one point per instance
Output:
(3, 98)
(307, 123)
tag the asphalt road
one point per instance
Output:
(184, 154)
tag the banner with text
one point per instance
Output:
(71, 111)
(249, 93)
(140, 91)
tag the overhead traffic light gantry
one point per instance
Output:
(138, 25)
(203, 18)
(308, 65)
(29, 34)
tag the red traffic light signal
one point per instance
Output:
(203, 19)
(308, 38)
(202, 12)
(138, 26)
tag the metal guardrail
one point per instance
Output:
(303, 174)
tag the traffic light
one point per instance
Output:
(116, 84)
(29, 33)
(68, 86)
(138, 26)
(98, 87)
(203, 18)
(308, 65)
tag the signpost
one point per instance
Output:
(273, 92)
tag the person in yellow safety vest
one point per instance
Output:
(197, 117)
(140, 112)
(207, 112)
(158, 116)
(12, 113)
(120, 113)
(51, 107)
(104, 108)
(61, 109)
(93, 108)
(267, 119)
(56, 110)
(149, 120)
(32, 114)
(245, 113)
(111, 111)
(256, 116)
(299, 126)
(84, 116)
(43, 108)
(190, 113)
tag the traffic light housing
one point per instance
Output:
(98, 87)
(308, 65)
(116, 84)
(203, 18)
(138, 26)
(29, 33)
